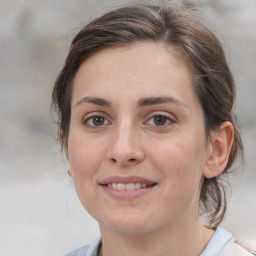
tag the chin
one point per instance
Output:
(126, 224)
(129, 230)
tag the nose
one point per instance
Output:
(126, 147)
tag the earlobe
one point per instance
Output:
(219, 148)
(69, 173)
(69, 168)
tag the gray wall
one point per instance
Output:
(40, 214)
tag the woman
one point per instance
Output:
(145, 107)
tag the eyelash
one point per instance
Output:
(86, 121)
(167, 121)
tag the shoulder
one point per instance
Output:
(79, 252)
(223, 243)
(236, 248)
(87, 250)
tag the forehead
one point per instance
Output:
(149, 52)
(148, 68)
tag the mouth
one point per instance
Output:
(127, 187)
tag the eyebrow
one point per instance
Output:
(95, 100)
(159, 100)
(144, 102)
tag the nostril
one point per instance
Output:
(132, 160)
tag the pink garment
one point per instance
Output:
(235, 248)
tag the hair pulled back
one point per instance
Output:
(177, 27)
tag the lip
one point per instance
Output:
(127, 194)
(127, 179)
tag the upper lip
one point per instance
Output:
(126, 180)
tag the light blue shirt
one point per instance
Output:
(88, 250)
(214, 248)
(217, 243)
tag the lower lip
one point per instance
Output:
(127, 194)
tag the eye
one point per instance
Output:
(95, 121)
(160, 120)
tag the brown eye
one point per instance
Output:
(98, 120)
(159, 120)
(95, 121)
(163, 121)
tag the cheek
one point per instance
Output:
(85, 159)
(181, 162)
(181, 167)
(84, 156)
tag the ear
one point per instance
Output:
(70, 172)
(69, 167)
(219, 147)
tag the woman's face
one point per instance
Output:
(137, 146)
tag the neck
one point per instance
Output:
(172, 240)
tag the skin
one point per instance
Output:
(127, 139)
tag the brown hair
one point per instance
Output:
(178, 27)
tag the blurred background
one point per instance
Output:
(39, 211)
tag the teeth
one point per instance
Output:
(138, 185)
(120, 186)
(128, 186)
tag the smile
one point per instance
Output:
(128, 186)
